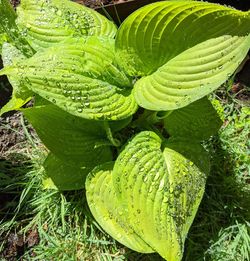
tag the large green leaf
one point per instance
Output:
(197, 121)
(108, 211)
(161, 189)
(157, 187)
(81, 76)
(47, 22)
(183, 49)
(21, 94)
(65, 175)
(70, 138)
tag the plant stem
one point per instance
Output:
(114, 141)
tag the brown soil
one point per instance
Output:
(11, 132)
(17, 245)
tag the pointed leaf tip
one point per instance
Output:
(183, 49)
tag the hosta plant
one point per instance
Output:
(123, 112)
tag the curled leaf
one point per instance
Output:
(21, 95)
(182, 49)
(108, 211)
(80, 76)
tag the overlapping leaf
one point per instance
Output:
(46, 22)
(184, 50)
(197, 121)
(21, 94)
(159, 190)
(70, 138)
(108, 211)
(80, 76)
(65, 175)
(9, 30)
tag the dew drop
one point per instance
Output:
(161, 186)
(59, 13)
(119, 236)
(157, 175)
(87, 104)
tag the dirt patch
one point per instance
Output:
(15, 3)
(11, 133)
(16, 245)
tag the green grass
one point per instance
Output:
(67, 231)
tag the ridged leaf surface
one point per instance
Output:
(156, 186)
(107, 210)
(161, 189)
(81, 77)
(46, 22)
(183, 49)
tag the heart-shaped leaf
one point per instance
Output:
(108, 211)
(21, 94)
(161, 189)
(184, 50)
(81, 76)
(197, 121)
(48, 22)
(158, 191)
(65, 175)
(70, 138)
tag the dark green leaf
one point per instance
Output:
(197, 121)
(65, 175)
(70, 138)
